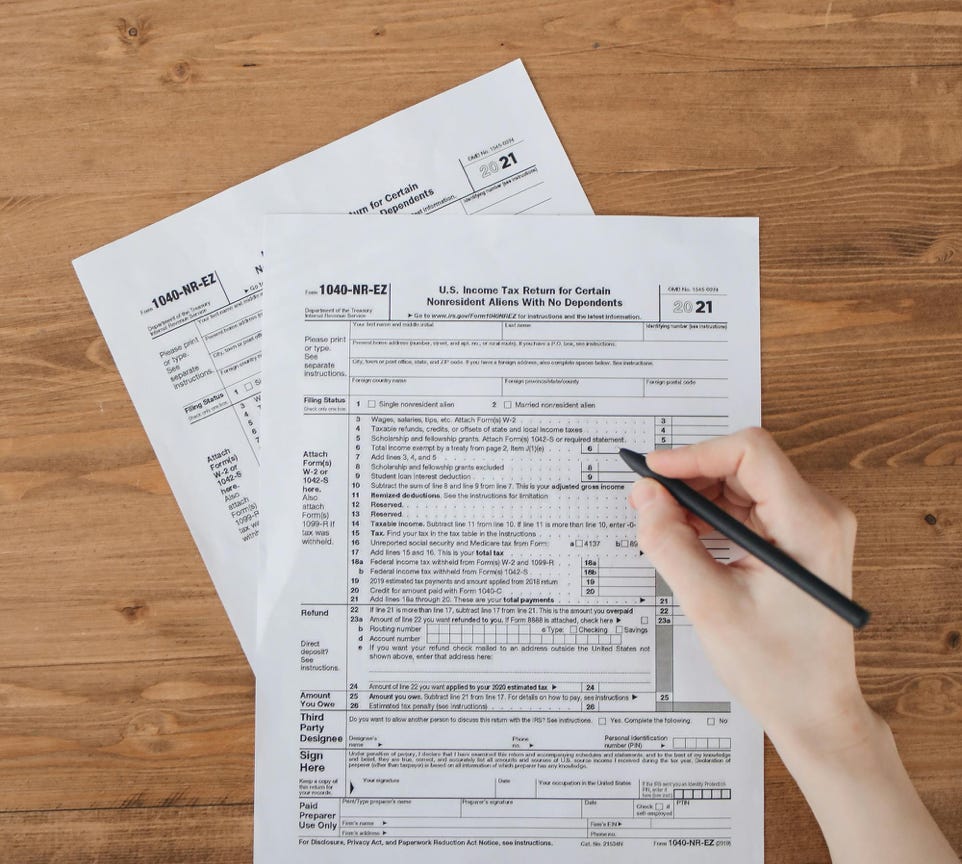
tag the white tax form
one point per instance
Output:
(179, 302)
(463, 655)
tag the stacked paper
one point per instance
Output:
(459, 649)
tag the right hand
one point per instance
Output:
(783, 655)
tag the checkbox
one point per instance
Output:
(644, 619)
(579, 543)
(711, 721)
(602, 721)
(249, 386)
(371, 403)
(507, 404)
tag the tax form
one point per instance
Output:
(179, 302)
(465, 656)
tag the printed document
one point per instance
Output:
(465, 656)
(179, 302)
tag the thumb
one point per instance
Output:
(701, 584)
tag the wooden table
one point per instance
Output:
(126, 707)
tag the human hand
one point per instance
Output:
(788, 659)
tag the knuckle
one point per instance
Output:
(658, 536)
(664, 539)
(651, 537)
(848, 520)
(839, 518)
(646, 533)
(755, 437)
(839, 525)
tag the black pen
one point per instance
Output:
(764, 551)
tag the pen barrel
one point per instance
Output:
(764, 551)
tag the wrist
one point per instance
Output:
(860, 793)
(850, 738)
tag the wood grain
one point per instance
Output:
(125, 704)
(126, 734)
(218, 834)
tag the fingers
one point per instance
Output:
(672, 545)
(759, 485)
(752, 464)
(721, 496)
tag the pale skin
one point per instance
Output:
(785, 657)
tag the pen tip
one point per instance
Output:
(635, 461)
